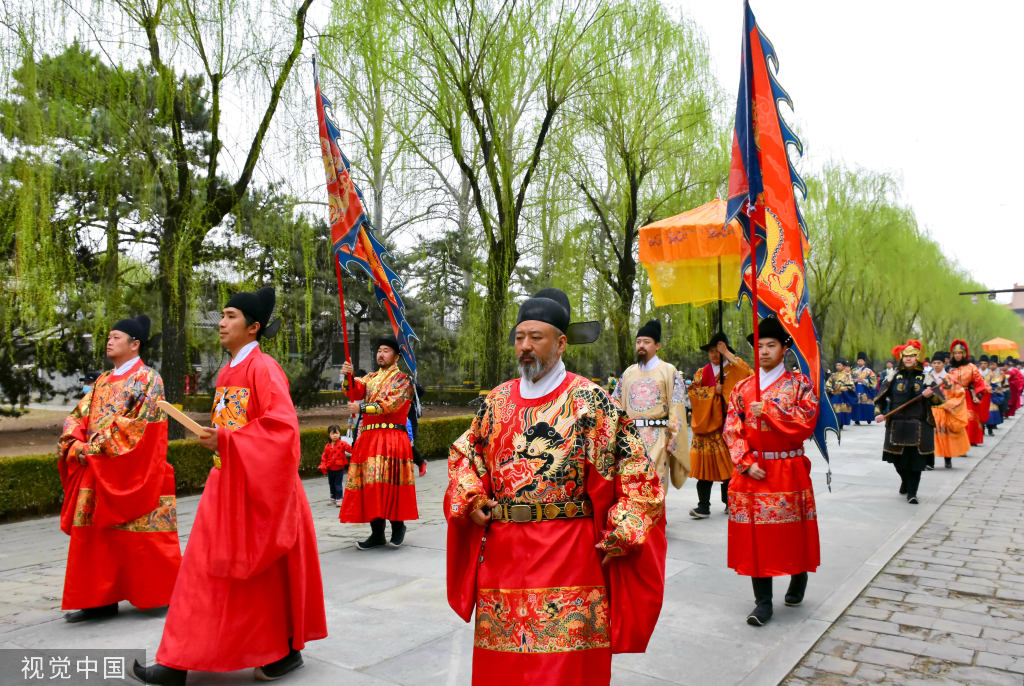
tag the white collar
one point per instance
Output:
(940, 375)
(243, 353)
(650, 365)
(531, 390)
(986, 372)
(715, 368)
(768, 378)
(126, 367)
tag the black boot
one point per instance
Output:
(397, 533)
(158, 675)
(725, 494)
(913, 481)
(703, 509)
(949, 463)
(763, 597)
(797, 586)
(91, 613)
(990, 428)
(275, 670)
(376, 538)
(903, 481)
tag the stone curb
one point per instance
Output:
(775, 668)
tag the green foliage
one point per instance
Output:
(30, 485)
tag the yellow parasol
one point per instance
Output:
(1000, 345)
(692, 257)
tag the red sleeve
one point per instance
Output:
(325, 459)
(797, 421)
(255, 513)
(128, 485)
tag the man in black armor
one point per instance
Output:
(910, 431)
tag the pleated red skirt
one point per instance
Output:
(381, 479)
(773, 523)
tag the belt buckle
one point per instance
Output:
(520, 513)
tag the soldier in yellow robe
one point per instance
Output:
(653, 394)
(711, 387)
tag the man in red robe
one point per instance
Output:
(773, 527)
(965, 374)
(249, 593)
(1015, 379)
(119, 506)
(556, 528)
(381, 482)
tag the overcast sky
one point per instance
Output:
(932, 90)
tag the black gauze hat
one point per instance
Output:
(839, 360)
(770, 327)
(390, 341)
(258, 306)
(862, 356)
(551, 306)
(983, 358)
(993, 359)
(652, 330)
(713, 343)
(137, 328)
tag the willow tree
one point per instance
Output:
(185, 55)
(649, 142)
(498, 75)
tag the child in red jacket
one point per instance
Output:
(334, 463)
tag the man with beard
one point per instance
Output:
(963, 373)
(839, 388)
(910, 431)
(866, 383)
(653, 393)
(381, 476)
(556, 533)
(773, 523)
(709, 455)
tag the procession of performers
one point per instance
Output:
(555, 502)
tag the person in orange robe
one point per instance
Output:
(249, 593)
(381, 481)
(556, 527)
(119, 506)
(950, 417)
(963, 373)
(773, 523)
(709, 393)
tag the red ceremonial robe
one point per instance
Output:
(969, 377)
(250, 579)
(381, 477)
(773, 527)
(1016, 383)
(119, 508)
(547, 612)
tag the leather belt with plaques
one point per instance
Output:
(371, 427)
(539, 512)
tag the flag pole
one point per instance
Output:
(344, 325)
(757, 353)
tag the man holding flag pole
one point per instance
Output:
(772, 516)
(381, 482)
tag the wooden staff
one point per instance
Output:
(911, 402)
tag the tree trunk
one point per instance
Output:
(499, 275)
(174, 359)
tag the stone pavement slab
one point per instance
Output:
(949, 607)
(390, 623)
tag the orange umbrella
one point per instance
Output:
(692, 257)
(1000, 345)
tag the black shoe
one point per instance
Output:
(276, 670)
(397, 533)
(760, 616)
(929, 467)
(158, 675)
(797, 587)
(376, 539)
(857, 423)
(698, 513)
(91, 613)
(912, 500)
(949, 463)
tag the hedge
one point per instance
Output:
(450, 396)
(30, 485)
(202, 402)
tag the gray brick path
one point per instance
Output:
(949, 607)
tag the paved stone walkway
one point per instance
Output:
(949, 607)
